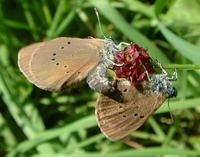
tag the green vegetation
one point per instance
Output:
(35, 123)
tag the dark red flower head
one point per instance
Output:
(136, 61)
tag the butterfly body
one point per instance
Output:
(97, 78)
(98, 81)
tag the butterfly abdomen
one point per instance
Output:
(98, 81)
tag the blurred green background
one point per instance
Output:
(35, 123)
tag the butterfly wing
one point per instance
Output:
(63, 61)
(118, 118)
(24, 57)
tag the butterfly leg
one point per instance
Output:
(110, 62)
(174, 76)
(122, 45)
(108, 59)
(110, 48)
(164, 72)
(145, 70)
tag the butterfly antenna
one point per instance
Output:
(99, 22)
(171, 115)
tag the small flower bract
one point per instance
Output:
(136, 63)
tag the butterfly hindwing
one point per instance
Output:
(117, 118)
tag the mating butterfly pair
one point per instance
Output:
(125, 104)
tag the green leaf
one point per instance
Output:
(179, 105)
(45, 136)
(188, 50)
(159, 6)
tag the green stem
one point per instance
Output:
(182, 66)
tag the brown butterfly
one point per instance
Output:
(55, 64)
(125, 110)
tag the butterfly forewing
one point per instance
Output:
(63, 61)
(24, 57)
(118, 118)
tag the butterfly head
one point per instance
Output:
(162, 84)
(172, 92)
(110, 46)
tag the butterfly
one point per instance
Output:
(56, 64)
(129, 106)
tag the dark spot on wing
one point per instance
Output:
(141, 117)
(120, 112)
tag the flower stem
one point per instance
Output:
(182, 66)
